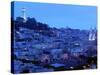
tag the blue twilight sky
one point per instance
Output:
(59, 15)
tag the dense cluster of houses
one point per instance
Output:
(65, 47)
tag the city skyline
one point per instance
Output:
(59, 15)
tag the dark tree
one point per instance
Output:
(19, 22)
(31, 23)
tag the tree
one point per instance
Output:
(31, 23)
(42, 26)
(19, 23)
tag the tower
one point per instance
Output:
(24, 14)
(92, 35)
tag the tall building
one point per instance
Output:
(24, 14)
(92, 35)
